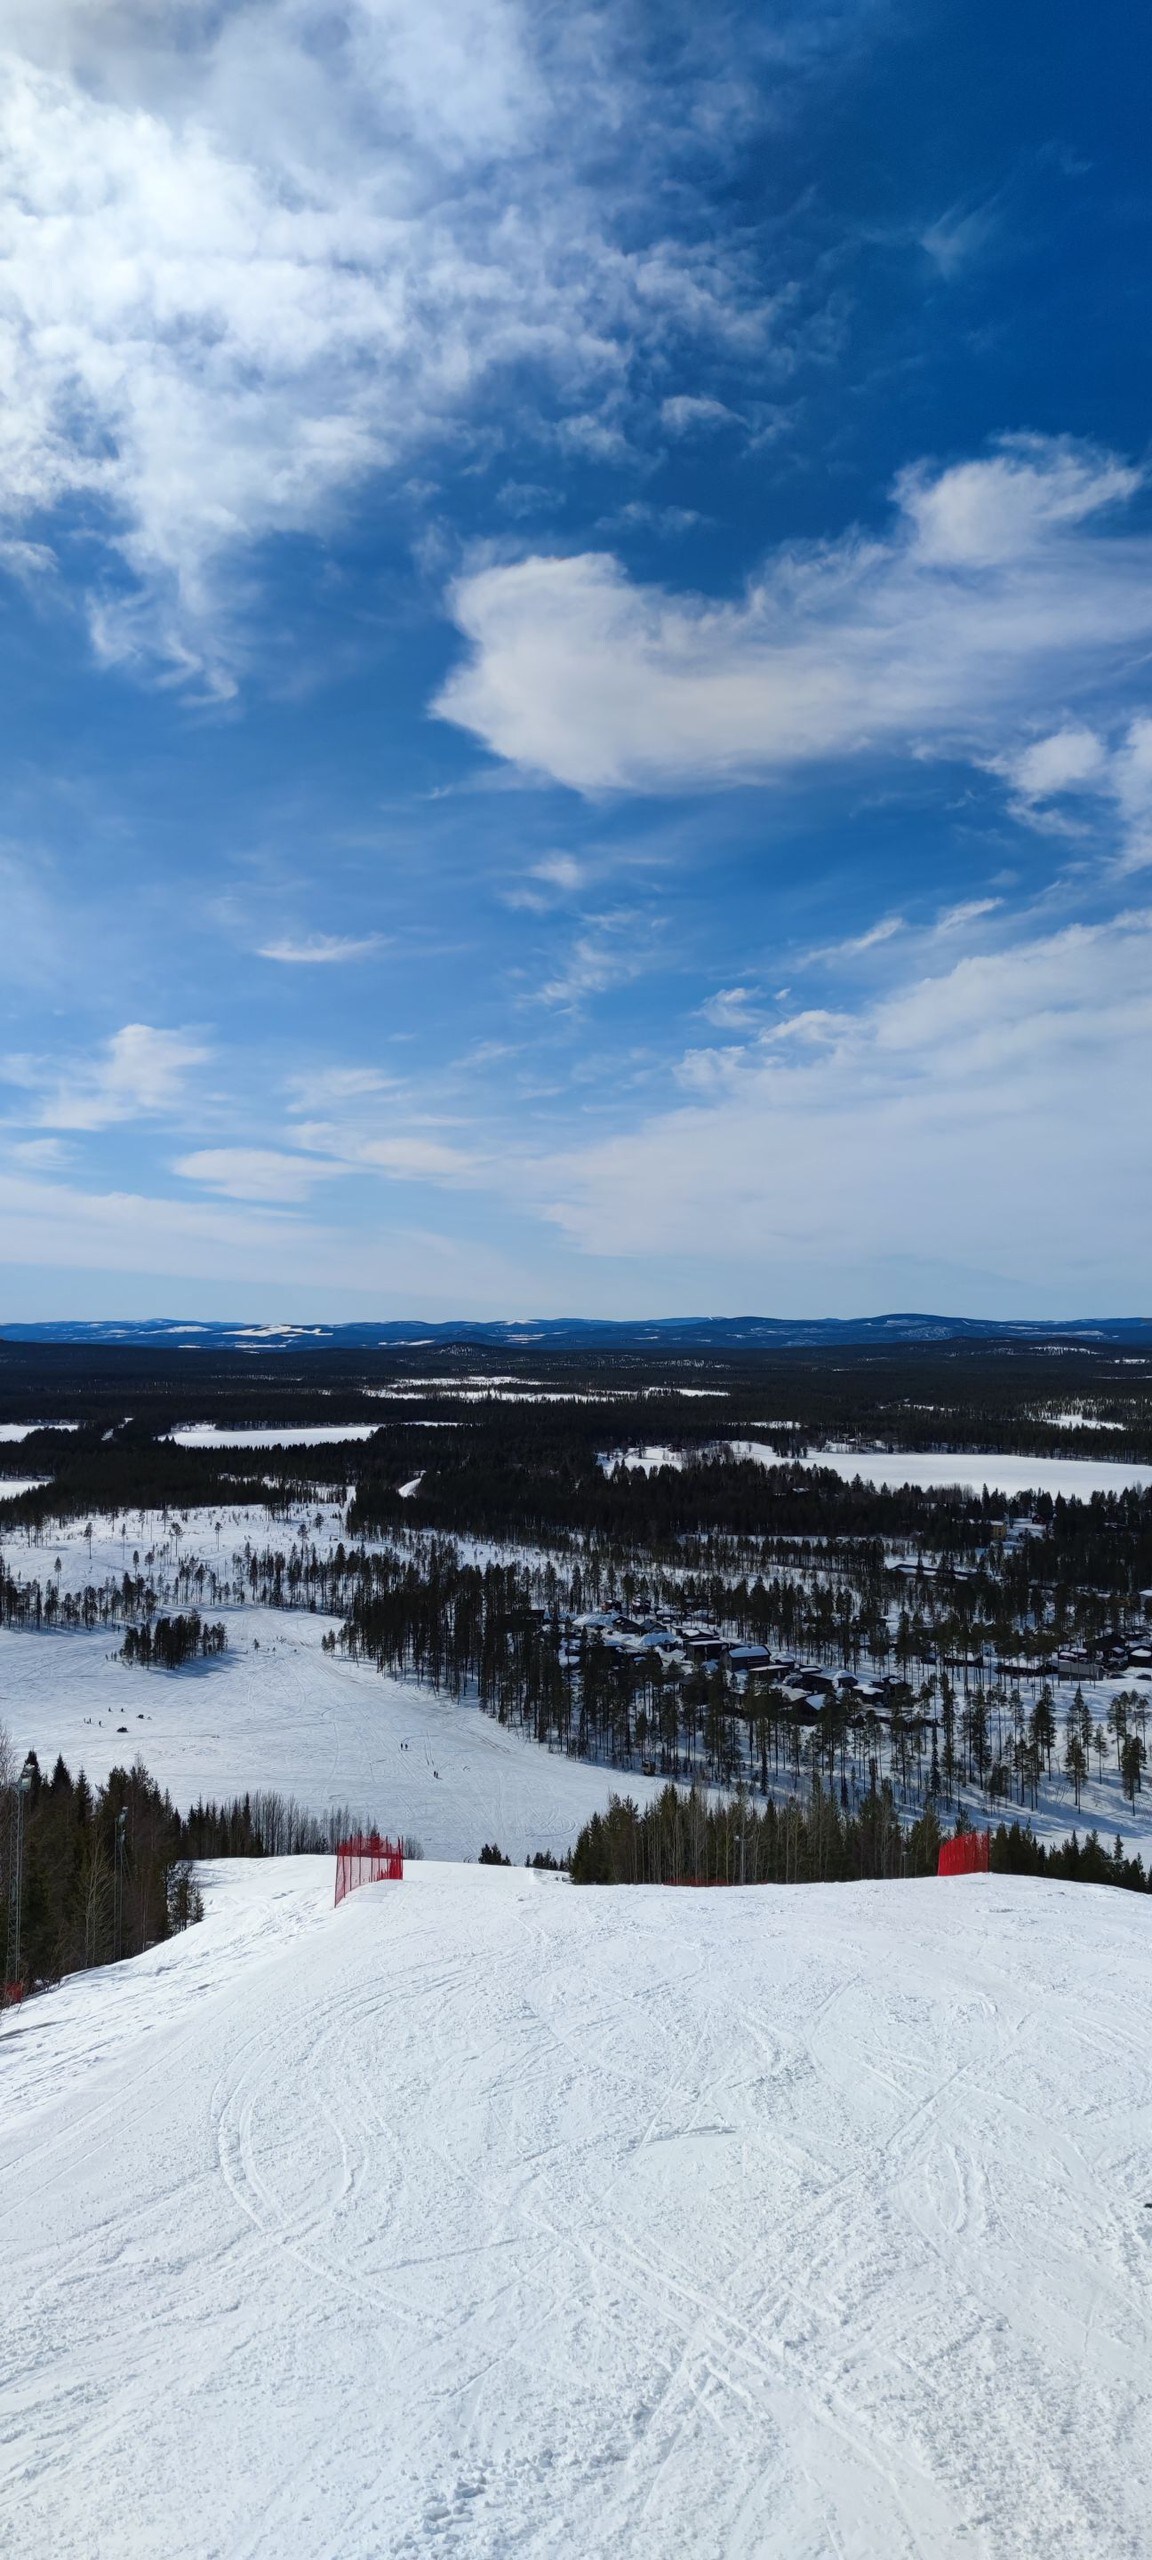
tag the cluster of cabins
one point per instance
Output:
(802, 1689)
(1108, 1661)
(806, 1691)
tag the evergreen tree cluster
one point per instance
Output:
(1015, 1851)
(107, 1871)
(166, 1644)
(691, 1839)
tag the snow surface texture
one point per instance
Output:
(488, 2215)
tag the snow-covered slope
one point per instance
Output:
(486, 2215)
(276, 1711)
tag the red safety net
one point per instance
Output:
(965, 1856)
(367, 1859)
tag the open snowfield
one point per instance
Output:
(275, 1711)
(487, 2215)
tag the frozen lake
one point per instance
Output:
(971, 1468)
(318, 1435)
(23, 1430)
(1079, 1477)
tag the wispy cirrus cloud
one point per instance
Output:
(320, 950)
(255, 1173)
(979, 1104)
(141, 1236)
(254, 255)
(612, 950)
(139, 1072)
(732, 1008)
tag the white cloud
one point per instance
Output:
(318, 950)
(1116, 773)
(611, 952)
(252, 254)
(46, 1224)
(334, 1088)
(731, 1008)
(1065, 761)
(1131, 781)
(994, 587)
(412, 1157)
(855, 945)
(254, 1173)
(336, 1119)
(687, 411)
(560, 870)
(959, 236)
(957, 919)
(66, 1226)
(141, 1071)
(998, 1107)
(39, 1155)
(995, 514)
(560, 876)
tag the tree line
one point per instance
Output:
(108, 1871)
(691, 1839)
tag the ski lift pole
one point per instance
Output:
(118, 1894)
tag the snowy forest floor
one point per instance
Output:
(488, 2215)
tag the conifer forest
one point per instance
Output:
(676, 1568)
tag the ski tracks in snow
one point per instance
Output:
(498, 2218)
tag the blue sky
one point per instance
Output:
(576, 611)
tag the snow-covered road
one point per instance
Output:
(487, 2215)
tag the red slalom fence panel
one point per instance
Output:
(367, 1859)
(965, 1856)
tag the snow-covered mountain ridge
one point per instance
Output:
(559, 1333)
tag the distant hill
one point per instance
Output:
(582, 1333)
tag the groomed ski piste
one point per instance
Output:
(487, 2214)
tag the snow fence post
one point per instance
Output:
(966, 1855)
(370, 1860)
